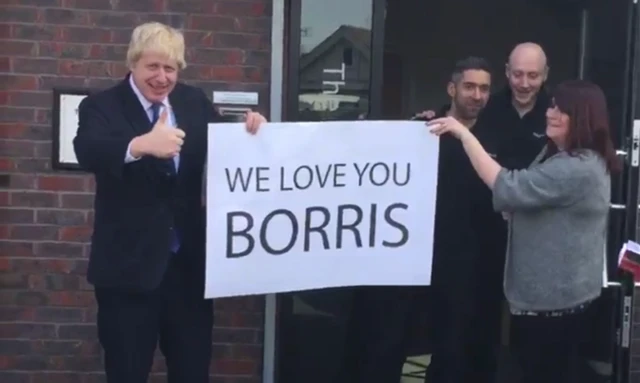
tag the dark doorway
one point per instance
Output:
(389, 59)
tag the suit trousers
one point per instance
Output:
(466, 330)
(174, 316)
(376, 335)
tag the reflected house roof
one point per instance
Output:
(359, 38)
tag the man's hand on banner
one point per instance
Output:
(253, 122)
(424, 115)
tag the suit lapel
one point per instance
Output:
(133, 110)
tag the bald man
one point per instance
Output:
(515, 117)
(518, 112)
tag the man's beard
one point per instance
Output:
(466, 113)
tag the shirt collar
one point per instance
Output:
(143, 101)
(543, 99)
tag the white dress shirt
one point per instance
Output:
(146, 104)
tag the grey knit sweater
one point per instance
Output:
(557, 230)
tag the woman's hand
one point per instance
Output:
(443, 125)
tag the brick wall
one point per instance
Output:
(47, 331)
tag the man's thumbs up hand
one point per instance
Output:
(162, 141)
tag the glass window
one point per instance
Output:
(335, 60)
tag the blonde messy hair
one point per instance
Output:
(158, 38)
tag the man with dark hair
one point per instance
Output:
(456, 310)
(468, 88)
(513, 124)
(377, 330)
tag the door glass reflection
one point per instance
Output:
(334, 84)
(335, 60)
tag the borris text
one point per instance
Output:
(314, 225)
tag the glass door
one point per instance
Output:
(334, 73)
(609, 41)
(334, 64)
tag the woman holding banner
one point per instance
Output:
(557, 211)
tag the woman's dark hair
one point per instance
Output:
(586, 106)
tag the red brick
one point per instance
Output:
(30, 99)
(77, 201)
(12, 129)
(33, 232)
(22, 181)
(17, 216)
(21, 314)
(61, 217)
(5, 64)
(90, 184)
(4, 198)
(7, 164)
(5, 31)
(15, 377)
(27, 331)
(20, 48)
(86, 35)
(60, 183)
(216, 23)
(228, 74)
(14, 249)
(246, 352)
(35, 265)
(75, 234)
(33, 199)
(18, 148)
(19, 82)
(5, 232)
(34, 66)
(36, 32)
(190, 6)
(65, 16)
(61, 49)
(71, 298)
(59, 250)
(199, 39)
(46, 44)
(235, 367)
(72, 68)
(237, 8)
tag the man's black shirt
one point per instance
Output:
(470, 237)
(459, 190)
(516, 143)
(520, 138)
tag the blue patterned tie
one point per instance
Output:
(155, 112)
(174, 241)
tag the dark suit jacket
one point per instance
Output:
(137, 203)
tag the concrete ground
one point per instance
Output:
(414, 369)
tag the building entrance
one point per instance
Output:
(376, 59)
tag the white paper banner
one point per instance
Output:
(313, 205)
